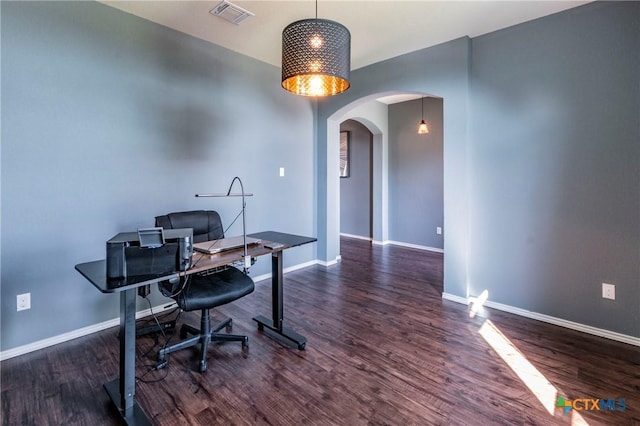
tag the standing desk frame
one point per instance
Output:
(276, 323)
(121, 391)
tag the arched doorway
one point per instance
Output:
(375, 116)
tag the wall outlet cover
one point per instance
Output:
(24, 301)
(608, 291)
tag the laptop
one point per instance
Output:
(224, 244)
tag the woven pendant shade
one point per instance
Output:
(316, 57)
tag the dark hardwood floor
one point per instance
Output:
(383, 349)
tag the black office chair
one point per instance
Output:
(203, 291)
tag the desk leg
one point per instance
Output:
(127, 351)
(277, 295)
(122, 391)
(276, 324)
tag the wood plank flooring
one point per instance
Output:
(383, 349)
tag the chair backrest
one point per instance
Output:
(206, 224)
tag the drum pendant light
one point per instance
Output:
(316, 57)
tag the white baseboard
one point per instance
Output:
(286, 270)
(65, 337)
(395, 243)
(358, 237)
(51, 341)
(415, 246)
(454, 298)
(612, 335)
(330, 262)
(61, 338)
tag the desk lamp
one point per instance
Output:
(246, 257)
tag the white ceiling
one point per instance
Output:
(380, 29)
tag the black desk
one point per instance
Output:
(122, 390)
(276, 323)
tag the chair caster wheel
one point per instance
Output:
(301, 346)
(245, 343)
(203, 367)
(260, 327)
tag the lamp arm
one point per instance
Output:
(247, 259)
(244, 224)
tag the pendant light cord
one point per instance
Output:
(423, 109)
(316, 9)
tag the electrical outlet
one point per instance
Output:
(24, 301)
(281, 171)
(608, 291)
(438, 230)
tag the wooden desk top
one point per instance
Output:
(96, 271)
(202, 262)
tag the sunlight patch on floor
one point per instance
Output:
(537, 383)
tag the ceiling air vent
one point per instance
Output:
(230, 12)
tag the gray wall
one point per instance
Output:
(555, 162)
(355, 190)
(441, 71)
(109, 120)
(542, 191)
(416, 199)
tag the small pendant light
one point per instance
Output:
(316, 57)
(423, 128)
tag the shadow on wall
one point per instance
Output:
(187, 131)
(186, 125)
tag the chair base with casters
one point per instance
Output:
(229, 285)
(203, 336)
